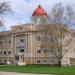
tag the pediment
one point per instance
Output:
(17, 29)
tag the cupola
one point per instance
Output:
(39, 12)
(39, 16)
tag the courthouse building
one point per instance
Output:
(22, 43)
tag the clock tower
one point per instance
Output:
(39, 16)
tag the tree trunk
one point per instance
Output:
(59, 63)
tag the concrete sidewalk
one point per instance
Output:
(14, 73)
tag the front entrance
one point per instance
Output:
(19, 58)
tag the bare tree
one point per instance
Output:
(57, 12)
(4, 8)
(61, 13)
(70, 12)
(54, 35)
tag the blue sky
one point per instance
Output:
(23, 10)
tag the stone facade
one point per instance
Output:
(22, 43)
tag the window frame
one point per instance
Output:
(39, 61)
(38, 37)
(21, 50)
(52, 61)
(21, 40)
(38, 51)
(5, 52)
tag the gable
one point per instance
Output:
(17, 29)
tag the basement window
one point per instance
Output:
(38, 61)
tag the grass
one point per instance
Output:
(39, 69)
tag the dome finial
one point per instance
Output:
(39, 6)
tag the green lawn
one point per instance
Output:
(40, 69)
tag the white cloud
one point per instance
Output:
(23, 9)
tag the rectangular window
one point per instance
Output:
(5, 41)
(9, 52)
(38, 61)
(52, 61)
(52, 50)
(4, 52)
(51, 39)
(17, 58)
(0, 42)
(0, 52)
(4, 61)
(38, 51)
(46, 51)
(45, 61)
(38, 38)
(21, 40)
(9, 41)
(22, 50)
(0, 37)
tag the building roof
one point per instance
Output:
(39, 11)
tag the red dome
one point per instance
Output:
(39, 11)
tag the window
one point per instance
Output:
(5, 41)
(22, 50)
(4, 61)
(0, 37)
(38, 61)
(0, 52)
(45, 61)
(38, 38)
(9, 52)
(20, 28)
(38, 51)
(52, 50)
(21, 40)
(17, 58)
(51, 40)
(52, 61)
(0, 42)
(9, 41)
(38, 21)
(45, 51)
(4, 52)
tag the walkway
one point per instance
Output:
(13, 73)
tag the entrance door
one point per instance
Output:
(19, 58)
(16, 58)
